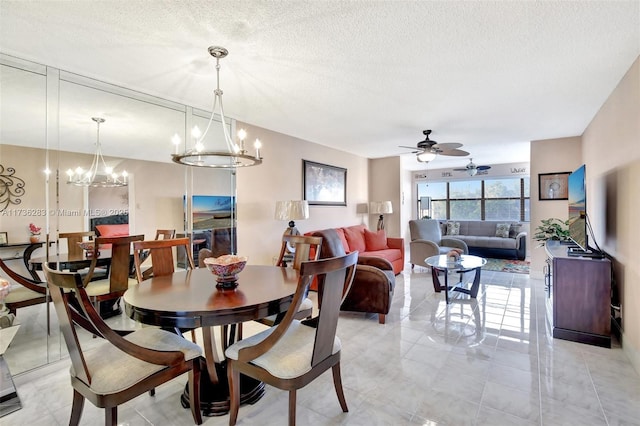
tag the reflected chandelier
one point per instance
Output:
(99, 174)
(236, 155)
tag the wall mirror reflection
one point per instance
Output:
(47, 124)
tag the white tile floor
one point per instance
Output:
(485, 362)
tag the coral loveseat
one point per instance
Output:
(372, 244)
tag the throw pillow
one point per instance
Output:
(453, 228)
(121, 230)
(375, 241)
(355, 237)
(343, 239)
(502, 230)
(514, 230)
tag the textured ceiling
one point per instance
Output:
(360, 76)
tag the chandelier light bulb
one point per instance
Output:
(196, 133)
(108, 170)
(242, 135)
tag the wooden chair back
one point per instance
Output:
(161, 253)
(120, 267)
(73, 238)
(165, 234)
(306, 248)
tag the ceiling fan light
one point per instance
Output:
(472, 171)
(425, 157)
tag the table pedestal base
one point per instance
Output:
(214, 398)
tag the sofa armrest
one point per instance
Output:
(395, 243)
(455, 243)
(521, 239)
(377, 262)
(419, 250)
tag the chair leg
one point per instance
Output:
(292, 407)
(111, 416)
(76, 408)
(152, 392)
(337, 383)
(194, 392)
(381, 318)
(233, 377)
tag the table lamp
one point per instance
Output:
(292, 210)
(381, 208)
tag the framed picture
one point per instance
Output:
(324, 185)
(553, 186)
(4, 240)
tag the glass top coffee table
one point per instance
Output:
(440, 265)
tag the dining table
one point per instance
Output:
(191, 299)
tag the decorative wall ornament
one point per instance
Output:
(11, 187)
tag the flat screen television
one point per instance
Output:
(578, 208)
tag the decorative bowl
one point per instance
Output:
(88, 247)
(226, 267)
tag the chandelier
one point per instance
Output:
(99, 174)
(199, 155)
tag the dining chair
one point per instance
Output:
(306, 248)
(293, 353)
(122, 367)
(120, 270)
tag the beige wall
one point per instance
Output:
(385, 185)
(280, 178)
(549, 156)
(611, 151)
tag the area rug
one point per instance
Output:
(506, 265)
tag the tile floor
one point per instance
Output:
(484, 362)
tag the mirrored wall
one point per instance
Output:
(47, 129)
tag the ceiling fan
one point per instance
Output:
(428, 149)
(472, 169)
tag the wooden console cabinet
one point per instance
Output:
(579, 290)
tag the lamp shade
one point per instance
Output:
(380, 207)
(292, 210)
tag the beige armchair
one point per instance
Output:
(427, 241)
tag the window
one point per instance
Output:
(490, 199)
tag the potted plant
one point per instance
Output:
(552, 229)
(35, 233)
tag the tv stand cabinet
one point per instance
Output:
(579, 290)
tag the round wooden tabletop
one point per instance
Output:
(190, 299)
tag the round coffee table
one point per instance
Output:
(441, 264)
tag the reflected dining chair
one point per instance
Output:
(293, 353)
(161, 255)
(29, 292)
(75, 251)
(120, 271)
(165, 234)
(162, 260)
(122, 367)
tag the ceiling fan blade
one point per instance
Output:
(454, 153)
(460, 170)
(447, 146)
(483, 167)
(408, 147)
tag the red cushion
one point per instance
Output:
(355, 237)
(345, 244)
(375, 240)
(120, 230)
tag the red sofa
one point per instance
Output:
(372, 244)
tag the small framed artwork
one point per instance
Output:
(324, 185)
(553, 186)
(4, 240)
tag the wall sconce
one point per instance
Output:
(381, 208)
